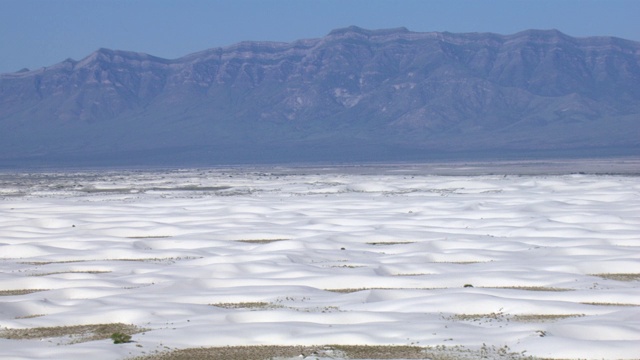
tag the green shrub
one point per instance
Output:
(120, 338)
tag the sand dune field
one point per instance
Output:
(326, 263)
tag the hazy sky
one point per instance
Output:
(36, 33)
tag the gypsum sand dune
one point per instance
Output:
(163, 260)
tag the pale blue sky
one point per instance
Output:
(36, 33)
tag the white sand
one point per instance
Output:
(150, 249)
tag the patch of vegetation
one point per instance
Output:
(352, 290)
(338, 352)
(620, 277)
(529, 288)
(321, 309)
(230, 353)
(120, 338)
(608, 304)
(349, 290)
(383, 352)
(256, 305)
(52, 262)
(260, 241)
(78, 333)
(461, 262)
(166, 259)
(506, 317)
(377, 243)
(158, 260)
(544, 317)
(72, 272)
(411, 274)
(149, 237)
(476, 317)
(19, 292)
(29, 316)
(348, 266)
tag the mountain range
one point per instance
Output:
(352, 95)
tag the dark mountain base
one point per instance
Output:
(213, 157)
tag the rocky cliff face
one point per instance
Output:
(353, 94)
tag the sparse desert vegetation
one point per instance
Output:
(75, 333)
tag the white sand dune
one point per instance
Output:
(546, 265)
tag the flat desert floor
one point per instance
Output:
(328, 263)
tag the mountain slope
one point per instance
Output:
(354, 94)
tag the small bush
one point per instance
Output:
(120, 338)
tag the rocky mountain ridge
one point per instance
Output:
(352, 95)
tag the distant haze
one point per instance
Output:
(353, 95)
